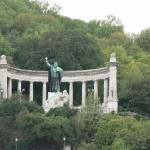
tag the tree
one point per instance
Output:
(5, 46)
(41, 132)
(122, 131)
(10, 111)
(87, 146)
(66, 47)
(65, 111)
(88, 118)
(143, 40)
(104, 28)
(32, 127)
(134, 85)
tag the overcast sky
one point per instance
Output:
(134, 14)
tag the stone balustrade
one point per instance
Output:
(108, 74)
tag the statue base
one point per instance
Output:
(56, 99)
(110, 106)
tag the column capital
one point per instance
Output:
(112, 57)
(106, 79)
(112, 61)
(3, 60)
(95, 80)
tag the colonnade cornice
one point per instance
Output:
(66, 73)
(68, 76)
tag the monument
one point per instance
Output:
(55, 97)
(56, 75)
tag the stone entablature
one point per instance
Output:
(68, 76)
(108, 74)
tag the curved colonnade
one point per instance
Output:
(108, 74)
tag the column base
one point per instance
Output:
(67, 147)
(110, 106)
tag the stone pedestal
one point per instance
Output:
(56, 99)
(67, 147)
(110, 106)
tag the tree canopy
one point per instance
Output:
(83, 130)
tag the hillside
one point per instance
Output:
(30, 31)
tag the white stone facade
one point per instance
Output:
(108, 74)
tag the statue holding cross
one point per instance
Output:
(54, 76)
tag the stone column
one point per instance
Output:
(71, 94)
(9, 87)
(31, 91)
(19, 86)
(3, 76)
(44, 93)
(113, 78)
(83, 93)
(95, 88)
(112, 104)
(105, 90)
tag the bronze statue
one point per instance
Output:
(54, 76)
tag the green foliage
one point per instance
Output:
(33, 128)
(125, 132)
(84, 130)
(143, 40)
(137, 97)
(17, 104)
(62, 111)
(104, 28)
(5, 46)
(29, 31)
(88, 118)
(38, 127)
(87, 146)
(10, 111)
(65, 46)
(119, 144)
(134, 85)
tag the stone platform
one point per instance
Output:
(56, 99)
